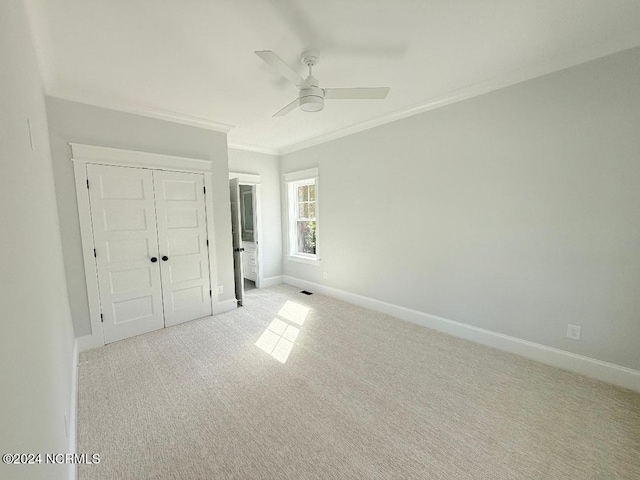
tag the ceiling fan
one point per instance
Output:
(311, 97)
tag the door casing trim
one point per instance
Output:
(253, 180)
(81, 156)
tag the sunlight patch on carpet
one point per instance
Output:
(278, 339)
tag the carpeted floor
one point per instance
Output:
(360, 395)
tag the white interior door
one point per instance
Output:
(236, 234)
(256, 235)
(182, 238)
(126, 244)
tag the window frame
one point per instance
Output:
(293, 181)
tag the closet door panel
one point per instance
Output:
(182, 237)
(125, 238)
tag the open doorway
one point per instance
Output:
(245, 217)
(248, 232)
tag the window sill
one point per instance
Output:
(301, 259)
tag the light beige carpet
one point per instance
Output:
(360, 395)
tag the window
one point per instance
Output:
(303, 217)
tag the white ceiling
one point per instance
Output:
(193, 60)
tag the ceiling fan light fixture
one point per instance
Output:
(311, 103)
(310, 95)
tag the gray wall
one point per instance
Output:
(71, 122)
(36, 343)
(268, 167)
(516, 211)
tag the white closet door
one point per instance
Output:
(126, 242)
(182, 237)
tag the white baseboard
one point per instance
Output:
(607, 372)
(73, 409)
(87, 342)
(225, 306)
(271, 281)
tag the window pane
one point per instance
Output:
(303, 210)
(312, 192)
(306, 237)
(312, 210)
(303, 192)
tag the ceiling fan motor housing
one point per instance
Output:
(311, 99)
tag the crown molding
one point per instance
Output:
(554, 64)
(142, 110)
(551, 65)
(253, 148)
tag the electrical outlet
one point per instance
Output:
(324, 275)
(220, 289)
(573, 332)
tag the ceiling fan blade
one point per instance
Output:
(357, 93)
(283, 69)
(288, 108)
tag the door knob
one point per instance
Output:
(165, 258)
(154, 259)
